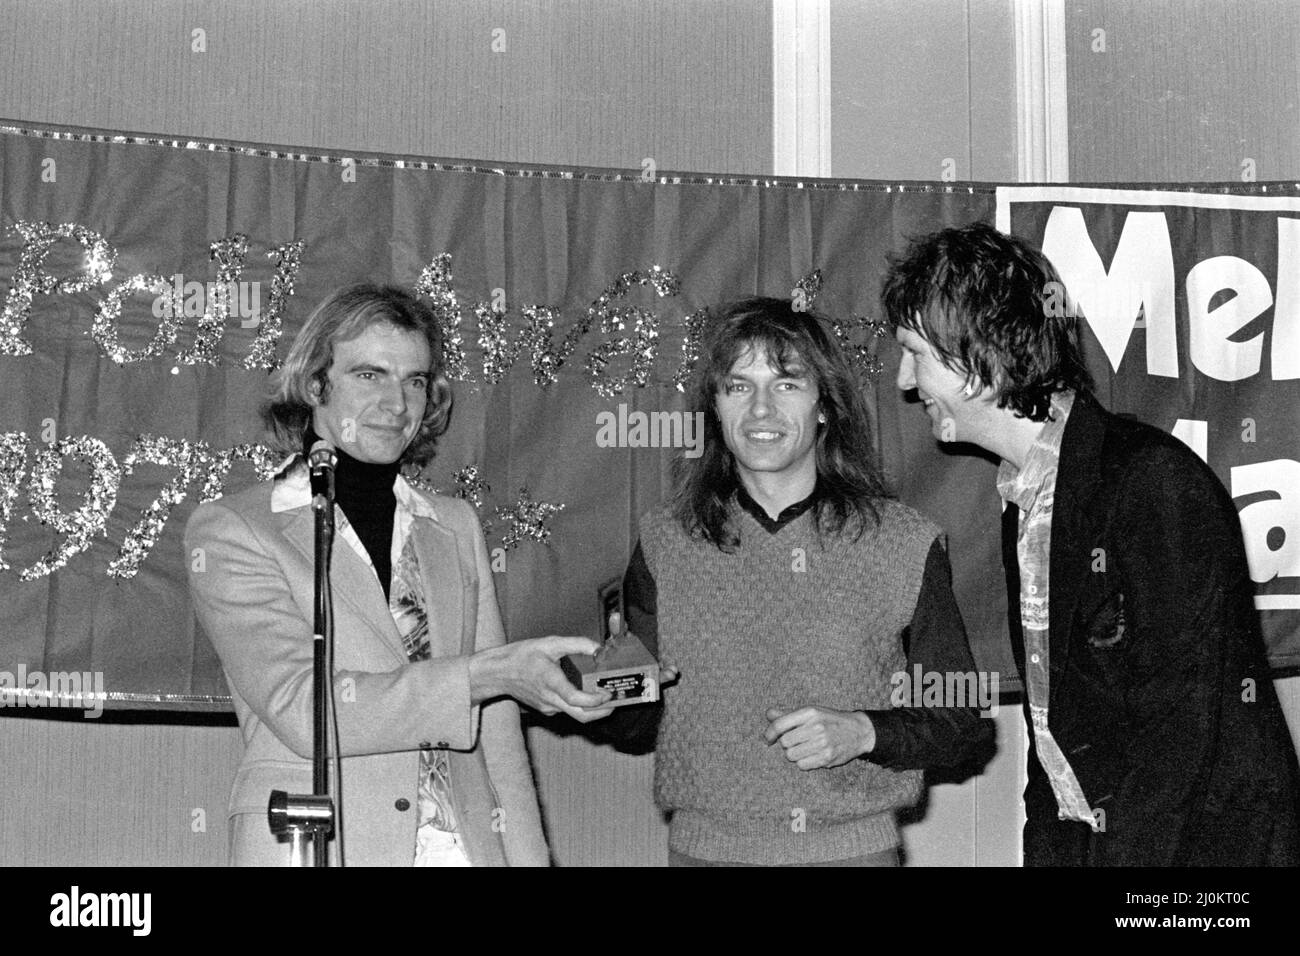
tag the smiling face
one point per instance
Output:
(955, 415)
(379, 386)
(769, 421)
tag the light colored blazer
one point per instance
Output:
(251, 577)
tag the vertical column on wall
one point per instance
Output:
(1042, 145)
(1042, 123)
(801, 87)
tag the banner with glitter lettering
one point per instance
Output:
(151, 286)
(1191, 302)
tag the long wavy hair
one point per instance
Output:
(849, 483)
(984, 301)
(343, 315)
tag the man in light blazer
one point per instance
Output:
(434, 770)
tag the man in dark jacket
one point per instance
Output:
(1158, 738)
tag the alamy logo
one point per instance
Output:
(946, 689)
(102, 909)
(194, 298)
(651, 430)
(84, 689)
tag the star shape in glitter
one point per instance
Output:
(864, 357)
(471, 486)
(807, 288)
(527, 519)
(878, 329)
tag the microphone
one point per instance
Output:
(322, 461)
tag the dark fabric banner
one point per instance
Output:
(151, 286)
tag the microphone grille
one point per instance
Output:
(322, 453)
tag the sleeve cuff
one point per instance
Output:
(885, 724)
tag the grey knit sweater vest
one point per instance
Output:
(783, 622)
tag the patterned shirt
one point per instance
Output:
(407, 606)
(1032, 488)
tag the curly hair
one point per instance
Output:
(345, 314)
(983, 300)
(848, 481)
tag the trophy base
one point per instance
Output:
(622, 667)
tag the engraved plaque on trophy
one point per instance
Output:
(622, 667)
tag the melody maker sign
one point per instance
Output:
(1193, 299)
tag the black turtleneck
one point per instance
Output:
(365, 493)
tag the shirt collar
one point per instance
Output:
(1020, 486)
(292, 489)
(787, 514)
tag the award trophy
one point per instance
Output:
(622, 666)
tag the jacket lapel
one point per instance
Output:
(354, 582)
(450, 590)
(451, 594)
(1074, 529)
(1011, 567)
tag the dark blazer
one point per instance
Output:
(1160, 694)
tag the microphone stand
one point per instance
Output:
(308, 819)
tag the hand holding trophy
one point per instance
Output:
(623, 667)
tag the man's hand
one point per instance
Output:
(817, 737)
(528, 672)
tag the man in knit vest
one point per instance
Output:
(1158, 738)
(790, 592)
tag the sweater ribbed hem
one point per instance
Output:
(774, 843)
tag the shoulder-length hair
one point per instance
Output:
(343, 315)
(848, 481)
(995, 310)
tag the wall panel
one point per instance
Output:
(592, 82)
(1183, 90)
(918, 82)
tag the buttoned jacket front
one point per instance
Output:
(251, 579)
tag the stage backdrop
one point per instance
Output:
(153, 285)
